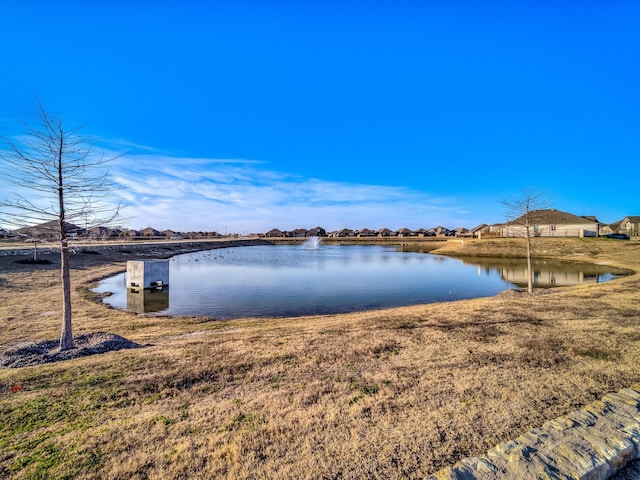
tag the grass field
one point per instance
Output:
(388, 394)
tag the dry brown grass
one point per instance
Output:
(385, 394)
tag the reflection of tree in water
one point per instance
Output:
(546, 273)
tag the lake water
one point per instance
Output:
(290, 280)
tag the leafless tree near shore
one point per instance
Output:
(518, 212)
(57, 178)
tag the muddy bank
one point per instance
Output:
(20, 258)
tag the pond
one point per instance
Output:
(291, 280)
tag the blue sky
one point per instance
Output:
(244, 116)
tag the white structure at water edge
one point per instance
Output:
(147, 273)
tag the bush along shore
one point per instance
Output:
(397, 393)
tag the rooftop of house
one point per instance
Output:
(552, 217)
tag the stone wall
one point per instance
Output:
(589, 444)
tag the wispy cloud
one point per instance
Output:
(235, 195)
(246, 196)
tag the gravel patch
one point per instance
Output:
(26, 354)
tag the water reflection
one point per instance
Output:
(147, 300)
(546, 273)
(285, 281)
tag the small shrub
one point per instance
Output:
(250, 420)
(598, 354)
(407, 326)
(364, 389)
(163, 420)
(289, 359)
(386, 349)
(369, 389)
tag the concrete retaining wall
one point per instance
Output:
(159, 248)
(51, 249)
(589, 444)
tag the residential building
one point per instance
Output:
(551, 223)
(628, 225)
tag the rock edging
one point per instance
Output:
(592, 443)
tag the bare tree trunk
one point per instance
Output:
(66, 337)
(529, 269)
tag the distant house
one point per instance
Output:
(423, 232)
(151, 232)
(628, 225)
(317, 232)
(129, 233)
(365, 232)
(442, 232)
(405, 232)
(172, 235)
(385, 232)
(602, 227)
(345, 232)
(479, 231)
(551, 223)
(299, 232)
(102, 233)
(273, 233)
(495, 230)
(461, 232)
(50, 230)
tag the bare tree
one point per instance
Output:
(519, 212)
(57, 179)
